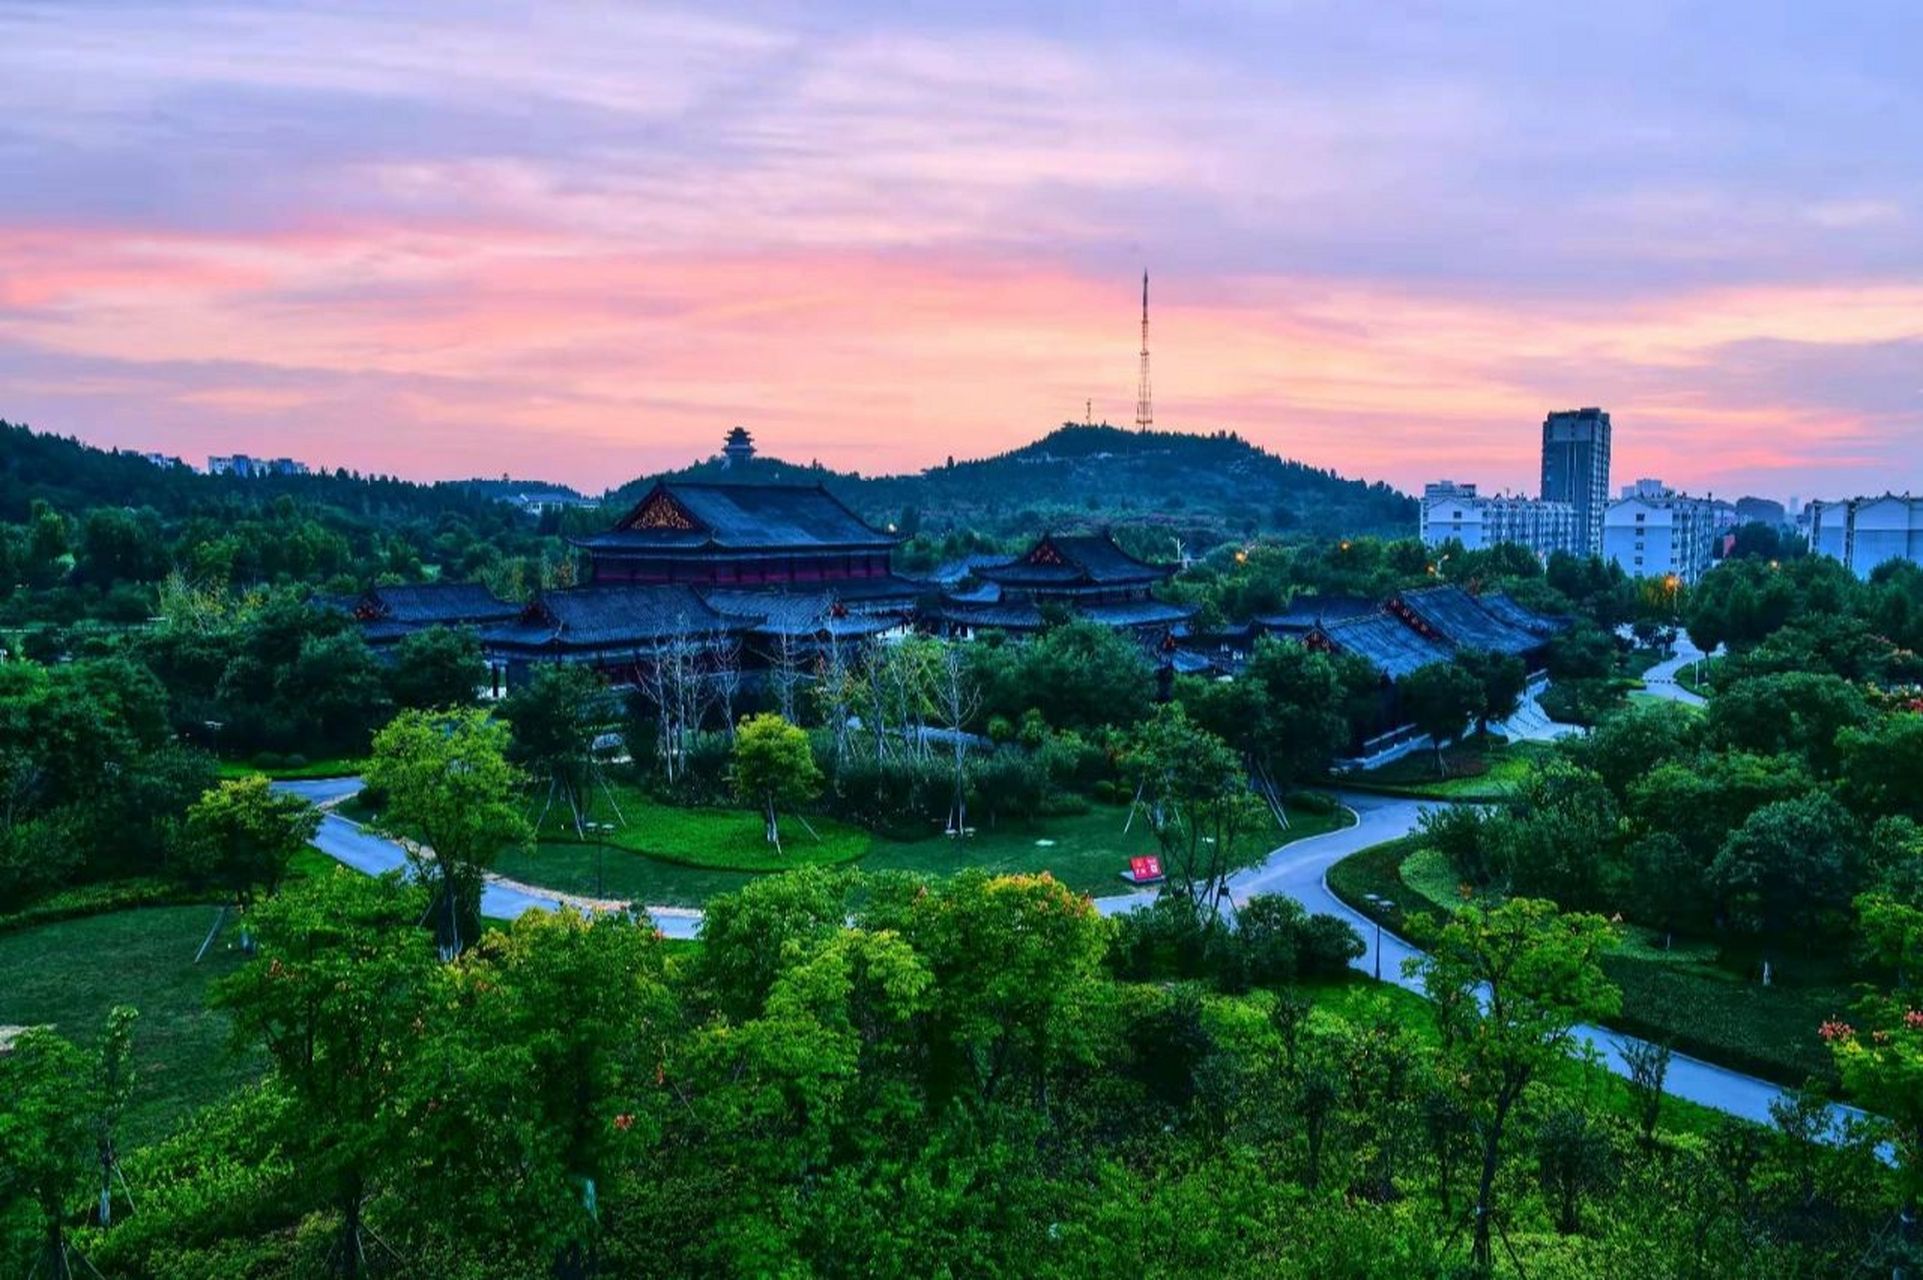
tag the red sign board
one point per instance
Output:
(1145, 869)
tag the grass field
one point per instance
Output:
(1471, 771)
(71, 973)
(1687, 677)
(336, 767)
(1085, 851)
(716, 839)
(1680, 994)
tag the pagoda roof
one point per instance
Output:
(1009, 615)
(1136, 613)
(1385, 642)
(1074, 560)
(686, 516)
(1459, 618)
(612, 617)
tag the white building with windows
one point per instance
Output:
(1657, 534)
(1477, 522)
(1866, 532)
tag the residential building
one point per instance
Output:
(1660, 534)
(1447, 489)
(1762, 511)
(162, 460)
(1867, 532)
(1478, 523)
(240, 464)
(1575, 470)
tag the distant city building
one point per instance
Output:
(1575, 470)
(1646, 488)
(534, 502)
(1660, 534)
(240, 464)
(1761, 511)
(163, 460)
(1866, 532)
(1479, 523)
(1448, 489)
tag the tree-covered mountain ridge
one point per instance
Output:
(1216, 483)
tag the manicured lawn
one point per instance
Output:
(336, 767)
(1681, 995)
(1086, 851)
(1688, 678)
(717, 839)
(1470, 771)
(71, 973)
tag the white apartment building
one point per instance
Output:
(1478, 522)
(1656, 534)
(1866, 532)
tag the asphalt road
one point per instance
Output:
(1660, 680)
(1298, 870)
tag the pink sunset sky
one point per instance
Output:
(578, 242)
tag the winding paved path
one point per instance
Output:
(1660, 680)
(1298, 870)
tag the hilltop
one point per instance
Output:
(1204, 487)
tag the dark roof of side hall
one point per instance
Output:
(744, 517)
(1385, 642)
(1136, 613)
(783, 613)
(1505, 607)
(611, 617)
(1011, 615)
(1305, 611)
(1092, 557)
(427, 603)
(1462, 620)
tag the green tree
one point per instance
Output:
(449, 790)
(1440, 700)
(46, 1138)
(436, 667)
(555, 718)
(1786, 869)
(1502, 679)
(1196, 794)
(774, 768)
(1509, 987)
(243, 834)
(1798, 713)
(542, 1082)
(337, 996)
(1882, 766)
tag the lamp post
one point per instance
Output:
(1381, 904)
(600, 830)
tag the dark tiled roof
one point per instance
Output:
(1462, 621)
(426, 604)
(1505, 609)
(1012, 615)
(1136, 613)
(1305, 611)
(779, 613)
(612, 617)
(863, 593)
(1385, 642)
(1072, 560)
(745, 517)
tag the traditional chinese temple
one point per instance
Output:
(1086, 575)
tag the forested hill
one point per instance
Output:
(1216, 484)
(71, 477)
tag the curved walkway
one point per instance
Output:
(1660, 680)
(1298, 870)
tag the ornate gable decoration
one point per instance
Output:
(660, 511)
(1045, 553)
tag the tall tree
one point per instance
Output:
(243, 834)
(555, 718)
(774, 769)
(1509, 986)
(436, 667)
(338, 996)
(449, 799)
(1439, 700)
(46, 1139)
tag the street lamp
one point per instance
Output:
(600, 830)
(1381, 905)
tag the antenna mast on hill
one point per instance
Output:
(1144, 406)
